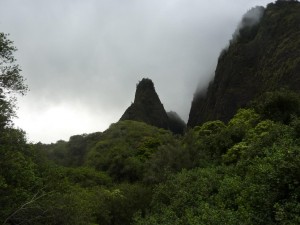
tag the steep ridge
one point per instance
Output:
(263, 55)
(147, 106)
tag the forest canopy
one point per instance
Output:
(244, 170)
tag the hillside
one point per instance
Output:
(263, 55)
(242, 171)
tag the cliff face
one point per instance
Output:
(147, 106)
(263, 56)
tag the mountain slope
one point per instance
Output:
(262, 56)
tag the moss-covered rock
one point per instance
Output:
(147, 106)
(262, 57)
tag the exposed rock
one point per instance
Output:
(147, 106)
(176, 124)
(262, 57)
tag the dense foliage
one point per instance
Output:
(244, 171)
(255, 182)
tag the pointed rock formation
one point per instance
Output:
(147, 106)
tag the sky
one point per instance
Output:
(82, 59)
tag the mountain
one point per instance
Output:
(243, 172)
(176, 124)
(147, 106)
(263, 55)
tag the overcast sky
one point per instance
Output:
(83, 58)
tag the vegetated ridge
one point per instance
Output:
(244, 171)
(263, 55)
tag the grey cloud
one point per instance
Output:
(250, 18)
(94, 52)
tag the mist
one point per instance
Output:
(250, 18)
(82, 59)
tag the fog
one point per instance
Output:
(83, 59)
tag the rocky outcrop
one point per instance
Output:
(176, 124)
(147, 106)
(264, 55)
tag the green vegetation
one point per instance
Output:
(245, 171)
(256, 182)
(242, 171)
(124, 149)
(262, 57)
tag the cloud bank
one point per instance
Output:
(82, 59)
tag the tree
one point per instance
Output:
(17, 171)
(281, 105)
(11, 81)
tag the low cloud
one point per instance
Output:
(87, 56)
(251, 18)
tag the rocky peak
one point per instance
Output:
(145, 91)
(147, 106)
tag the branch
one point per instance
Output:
(26, 205)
